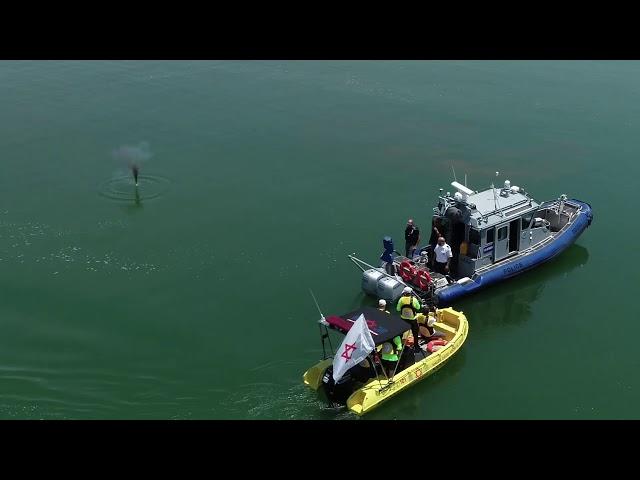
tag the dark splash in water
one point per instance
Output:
(133, 156)
(135, 169)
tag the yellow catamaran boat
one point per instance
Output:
(366, 385)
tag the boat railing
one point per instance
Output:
(547, 204)
(554, 203)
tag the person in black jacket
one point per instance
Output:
(411, 237)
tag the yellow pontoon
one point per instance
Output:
(364, 390)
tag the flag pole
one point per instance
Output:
(373, 362)
(316, 302)
(323, 322)
(382, 368)
(404, 347)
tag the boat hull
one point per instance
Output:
(520, 263)
(377, 391)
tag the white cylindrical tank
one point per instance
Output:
(389, 289)
(370, 281)
(507, 184)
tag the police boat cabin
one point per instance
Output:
(493, 235)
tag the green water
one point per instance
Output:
(192, 301)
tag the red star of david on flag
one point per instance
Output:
(355, 347)
(349, 349)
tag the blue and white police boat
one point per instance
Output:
(494, 235)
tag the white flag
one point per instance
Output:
(356, 346)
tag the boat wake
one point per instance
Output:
(123, 189)
(274, 401)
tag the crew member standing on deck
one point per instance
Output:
(409, 306)
(411, 238)
(443, 256)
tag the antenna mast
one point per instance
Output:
(495, 198)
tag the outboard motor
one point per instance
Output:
(376, 283)
(387, 255)
(337, 392)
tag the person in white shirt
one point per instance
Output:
(443, 256)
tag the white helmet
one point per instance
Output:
(407, 290)
(382, 303)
